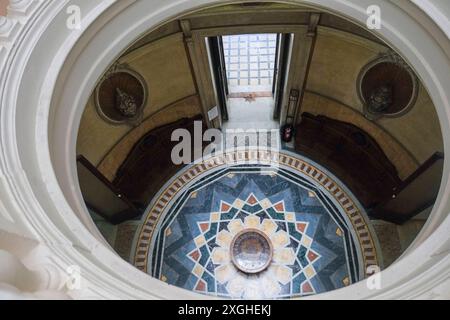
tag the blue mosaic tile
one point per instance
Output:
(204, 255)
(212, 231)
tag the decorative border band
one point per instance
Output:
(265, 157)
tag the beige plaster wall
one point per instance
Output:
(338, 58)
(165, 67)
(419, 130)
(336, 63)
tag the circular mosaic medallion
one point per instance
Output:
(251, 251)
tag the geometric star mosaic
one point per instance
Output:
(293, 259)
(314, 248)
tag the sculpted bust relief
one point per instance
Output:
(387, 87)
(121, 96)
(381, 99)
(126, 104)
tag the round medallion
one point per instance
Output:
(121, 96)
(387, 87)
(251, 251)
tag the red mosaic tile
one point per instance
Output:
(279, 207)
(301, 227)
(204, 226)
(306, 288)
(195, 255)
(312, 256)
(252, 200)
(225, 207)
(201, 286)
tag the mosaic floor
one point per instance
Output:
(318, 233)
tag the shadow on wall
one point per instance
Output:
(3, 5)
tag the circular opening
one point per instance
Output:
(353, 149)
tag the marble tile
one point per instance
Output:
(220, 255)
(224, 239)
(252, 222)
(282, 273)
(268, 227)
(284, 256)
(235, 226)
(280, 239)
(225, 273)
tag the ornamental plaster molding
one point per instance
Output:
(47, 72)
